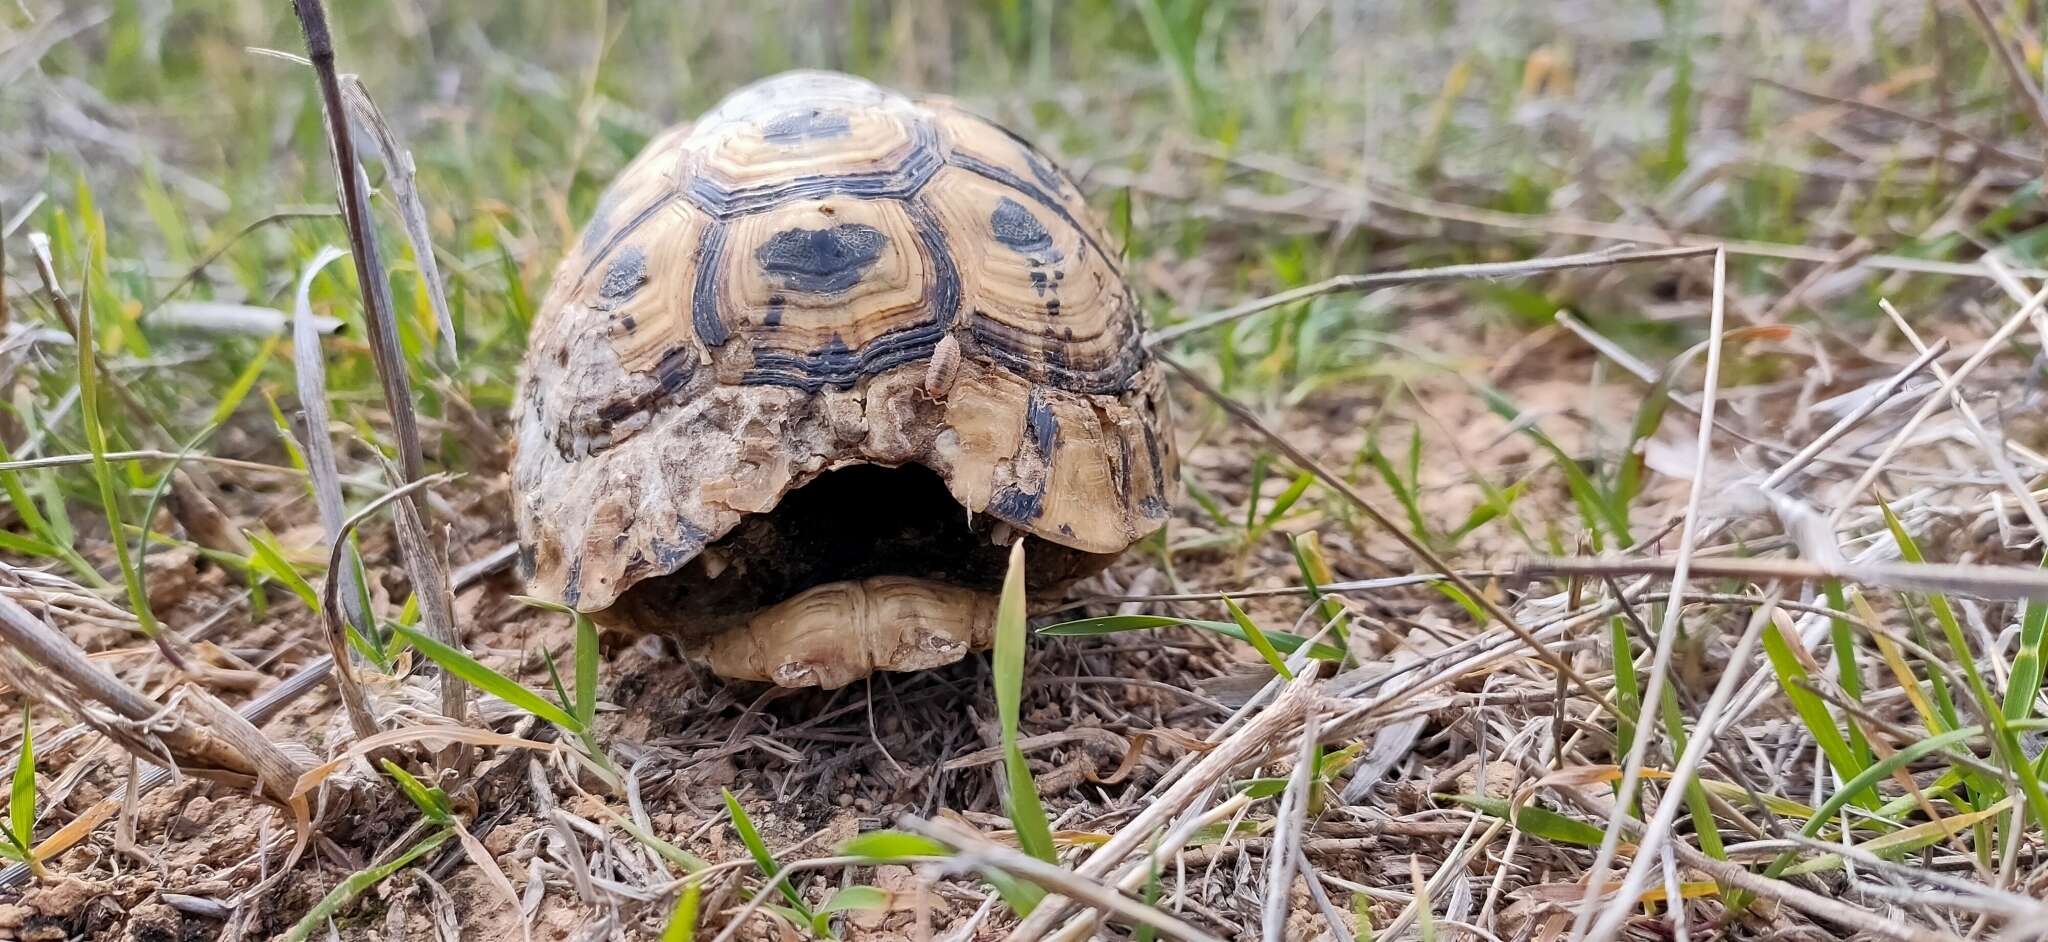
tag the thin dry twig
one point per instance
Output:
(1982, 580)
(196, 747)
(1343, 284)
(429, 580)
(977, 851)
(1659, 829)
(1386, 523)
(2015, 67)
(1667, 633)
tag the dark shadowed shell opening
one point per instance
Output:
(848, 524)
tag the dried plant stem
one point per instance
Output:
(977, 851)
(1342, 284)
(1981, 580)
(1377, 195)
(198, 749)
(354, 699)
(1289, 822)
(428, 578)
(1252, 740)
(1667, 632)
(385, 351)
(1934, 403)
(1380, 519)
(150, 454)
(1659, 829)
(1994, 447)
(2015, 67)
(257, 712)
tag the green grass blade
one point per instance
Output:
(1027, 815)
(1843, 637)
(1281, 504)
(1536, 821)
(45, 532)
(587, 656)
(238, 391)
(2024, 683)
(759, 849)
(267, 559)
(1403, 492)
(102, 470)
(1258, 639)
(488, 680)
(1628, 692)
(2011, 755)
(1598, 510)
(682, 922)
(1260, 465)
(857, 897)
(431, 801)
(357, 884)
(21, 798)
(583, 701)
(1781, 649)
(1285, 641)
(887, 846)
(1316, 573)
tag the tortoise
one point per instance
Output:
(818, 358)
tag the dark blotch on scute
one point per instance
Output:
(821, 261)
(1040, 425)
(838, 366)
(627, 273)
(670, 373)
(572, 584)
(853, 523)
(1017, 505)
(704, 295)
(809, 124)
(1014, 226)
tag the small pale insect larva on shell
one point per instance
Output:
(944, 368)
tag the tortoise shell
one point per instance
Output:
(817, 356)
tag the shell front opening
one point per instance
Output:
(864, 523)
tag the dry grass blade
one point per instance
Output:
(362, 716)
(1994, 344)
(2007, 583)
(1651, 839)
(258, 711)
(977, 851)
(1993, 447)
(428, 575)
(138, 723)
(385, 350)
(1667, 632)
(1487, 270)
(149, 454)
(1290, 821)
(410, 208)
(1378, 196)
(1382, 520)
(310, 370)
(221, 317)
(2015, 66)
(428, 571)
